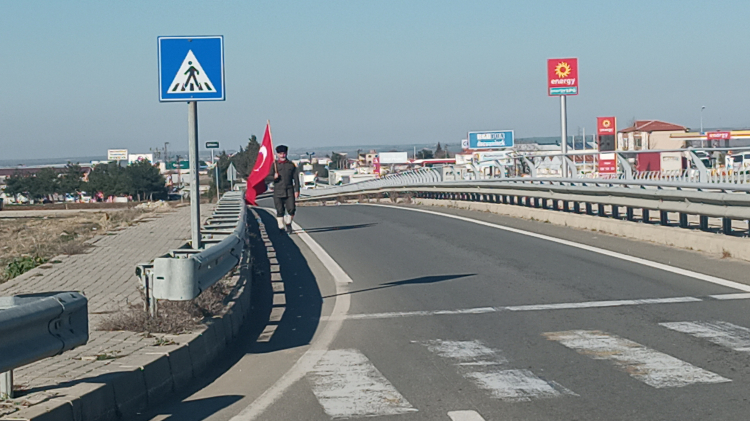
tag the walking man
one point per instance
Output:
(285, 188)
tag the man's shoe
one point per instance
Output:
(289, 228)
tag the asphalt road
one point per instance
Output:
(438, 318)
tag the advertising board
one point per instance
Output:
(387, 158)
(562, 76)
(117, 154)
(491, 140)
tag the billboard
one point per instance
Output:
(117, 154)
(501, 156)
(718, 135)
(606, 125)
(562, 76)
(393, 158)
(491, 140)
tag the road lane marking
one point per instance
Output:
(667, 268)
(465, 352)
(318, 346)
(483, 367)
(654, 368)
(535, 307)
(739, 296)
(721, 333)
(465, 416)
(348, 385)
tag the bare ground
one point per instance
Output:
(42, 238)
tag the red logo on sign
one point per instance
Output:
(562, 76)
(605, 125)
(718, 135)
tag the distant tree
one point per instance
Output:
(71, 179)
(144, 179)
(44, 184)
(110, 179)
(439, 152)
(244, 161)
(425, 154)
(16, 185)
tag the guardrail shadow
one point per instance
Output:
(281, 319)
(414, 281)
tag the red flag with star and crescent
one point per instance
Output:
(256, 181)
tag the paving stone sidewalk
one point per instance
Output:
(106, 275)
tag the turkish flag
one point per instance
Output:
(256, 181)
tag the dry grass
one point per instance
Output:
(172, 317)
(45, 238)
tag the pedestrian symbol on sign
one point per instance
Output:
(191, 77)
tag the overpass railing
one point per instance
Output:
(728, 201)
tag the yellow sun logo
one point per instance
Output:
(562, 69)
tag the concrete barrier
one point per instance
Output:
(686, 239)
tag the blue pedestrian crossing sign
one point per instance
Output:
(191, 68)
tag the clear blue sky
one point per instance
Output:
(79, 77)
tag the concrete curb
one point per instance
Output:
(142, 380)
(717, 244)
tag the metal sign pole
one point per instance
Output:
(216, 170)
(564, 135)
(195, 198)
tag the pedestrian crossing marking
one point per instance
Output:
(191, 77)
(348, 385)
(483, 366)
(654, 368)
(721, 333)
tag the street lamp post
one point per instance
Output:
(702, 108)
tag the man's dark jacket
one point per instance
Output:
(288, 182)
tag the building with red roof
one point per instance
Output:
(650, 134)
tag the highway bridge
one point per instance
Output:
(408, 313)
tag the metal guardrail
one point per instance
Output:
(184, 273)
(34, 327)
(727, 201)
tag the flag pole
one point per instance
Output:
(273, 151)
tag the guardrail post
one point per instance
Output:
(683, 220)
(615, 211)
(646, 216)
(664, 218)
(600, 211)
(589, 209)
(726, 225)
(566, 206)
(629, 213)
(6, 385)
(703, 223)
(577, 207)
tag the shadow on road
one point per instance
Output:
(302, 302)
(413, 281)
(200, 409)
(339, 228)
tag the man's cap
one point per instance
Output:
(282, 148)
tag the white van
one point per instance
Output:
(741, 161)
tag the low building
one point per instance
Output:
(650, 134)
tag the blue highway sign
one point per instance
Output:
(491, 140)
(191, 68)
